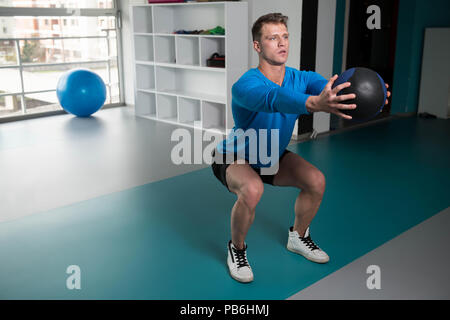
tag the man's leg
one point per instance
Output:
(248, 186)
(243, 181)
(294, 171)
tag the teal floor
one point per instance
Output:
(167, 239)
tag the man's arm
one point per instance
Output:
(255, 96)
(315, 85)
(315, 82)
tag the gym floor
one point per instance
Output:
(101, 193)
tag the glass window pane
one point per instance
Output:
(10, 106)
(112, 47)
(48, 27)
(46, 77)
(10, 80)
(102, 4)
(8, 52)
(110, 77)
(41, 102)
(43, 78)
(41, 51)
(85, 49)
(57, 50)
(114, 95)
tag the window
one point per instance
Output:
(38, 46)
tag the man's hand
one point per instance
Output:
(328, 100)
(388, 93)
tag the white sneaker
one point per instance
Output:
(238, 265)
(306, 247)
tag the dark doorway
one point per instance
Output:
(374, 49)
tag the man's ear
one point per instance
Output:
(256, 46)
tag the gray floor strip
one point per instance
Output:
(414, 265)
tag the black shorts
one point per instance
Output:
(219, 170)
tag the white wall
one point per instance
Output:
(290, 8)
(324, 53)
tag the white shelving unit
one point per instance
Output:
(172, 81)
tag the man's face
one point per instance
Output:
(274, 44)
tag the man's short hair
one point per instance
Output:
(267, 18)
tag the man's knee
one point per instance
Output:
(317, 183)
(251, 193)
(312, 182)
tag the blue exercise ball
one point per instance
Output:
(81, 92)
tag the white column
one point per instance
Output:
(324, 54)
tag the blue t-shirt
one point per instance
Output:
(258, 104)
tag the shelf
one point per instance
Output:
(209, 46)
(187, 35)
(173, 83)
(145, 103)
(150, 90)
(203, 16)
(169, 119)
(142, 19)
(143, 46)
(188, 110)
(180, 4)
(192, 124)
(193, 83)
(181, 66)
(146, 63)
(188, 95)
(194, 95)
(166, 107)
(144, 34)
(164, 49)
(187, 51)
(213, 115)
(148, 34)
(145, 77)
(174, 122)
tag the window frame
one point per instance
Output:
(62, 12)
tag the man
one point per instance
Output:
(271, 97)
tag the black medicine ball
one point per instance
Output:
(370, 92)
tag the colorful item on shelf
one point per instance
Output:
(216, 60)
(187, 32)
(215, 31)
(164, 1)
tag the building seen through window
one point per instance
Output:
(44, 47)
